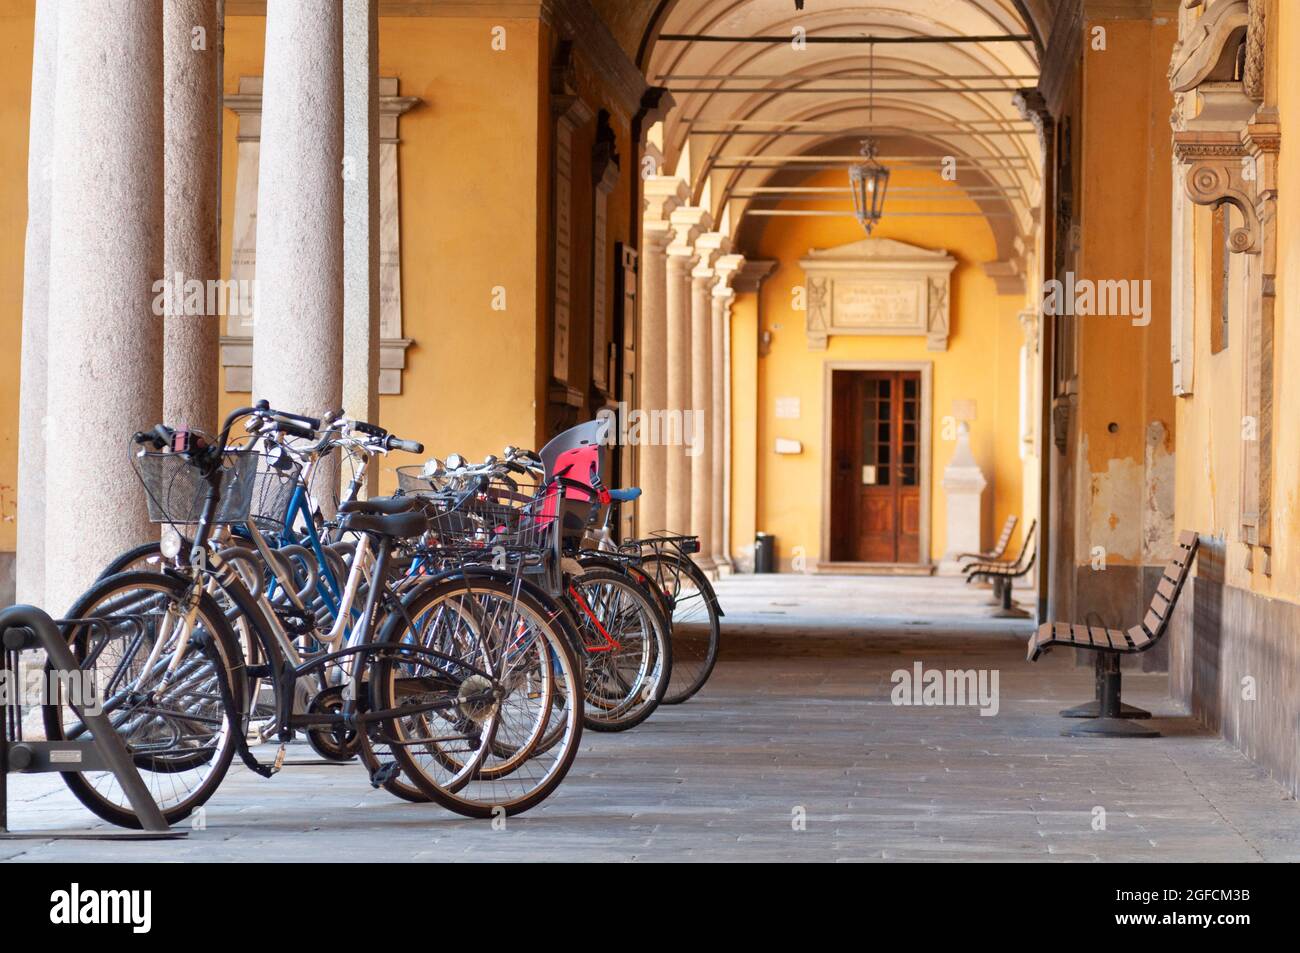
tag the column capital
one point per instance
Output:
(661, 195)
(688, 223)
(709, 247)
(726, 268)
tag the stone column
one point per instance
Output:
(192, 57)
(30, 570)
(687, 223)
(719, 409)
(662, 196)
(106, 252)
(708, 247)
(361, 215)
(298, 324)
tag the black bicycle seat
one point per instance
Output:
(381, 505)
(396, 525)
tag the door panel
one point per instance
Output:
(876, 466)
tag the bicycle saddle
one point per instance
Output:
(396, 525)
(381, 505)
(625, 496)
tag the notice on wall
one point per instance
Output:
(787, 408)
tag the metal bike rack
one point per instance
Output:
(26, 627)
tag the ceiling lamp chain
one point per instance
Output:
(868, 180)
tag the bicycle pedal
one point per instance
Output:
(279, 758)
(384, 773)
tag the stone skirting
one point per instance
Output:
(1221, 635)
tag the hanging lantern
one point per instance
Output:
(868, 181)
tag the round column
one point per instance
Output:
(33, 380)
(721, 303)
(192, 52)
(687, 223)
(105, 341)
(298, 320)
(653, 457)
(704, 433)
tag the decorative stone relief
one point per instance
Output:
(237, 341)
(569, 112)
(605, 172)
(1230, 146)
(878, 286)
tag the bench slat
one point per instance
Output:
(1160, 606)
(1139, 636)
(1153, 623)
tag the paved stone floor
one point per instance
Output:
(796, 723)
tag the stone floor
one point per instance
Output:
(796, 730)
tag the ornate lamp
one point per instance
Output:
(868, 181)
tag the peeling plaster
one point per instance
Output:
(1115, 509)
(1158, 507)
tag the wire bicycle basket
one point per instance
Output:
(253, 486)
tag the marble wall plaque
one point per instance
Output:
(878, 286)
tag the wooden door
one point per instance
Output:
(876, 466)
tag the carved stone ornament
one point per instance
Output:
(878, 286)
(1230, 144)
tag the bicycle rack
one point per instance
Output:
(26, 627)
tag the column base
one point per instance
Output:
(1092, 709)
(1109, 728)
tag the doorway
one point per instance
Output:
(879, 465)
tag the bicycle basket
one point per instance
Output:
(254, 486)
(273, 487)
(175, 489)
(501, 513)
(412, 481)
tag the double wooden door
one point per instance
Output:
(876, 466)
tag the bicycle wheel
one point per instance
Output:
(488, 696)
(146, 556)
(627, 649)
(696, 625)
(178, 712)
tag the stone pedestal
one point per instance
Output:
(963, 485)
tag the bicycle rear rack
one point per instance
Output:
(26, 627)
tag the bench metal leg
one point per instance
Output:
(1110, 721)
(1092, 709)
(1009, 609)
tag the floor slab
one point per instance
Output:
(793, 752)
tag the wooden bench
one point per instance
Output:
(1002, 575)
(996, 553)
(1108, 716)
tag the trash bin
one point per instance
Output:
(764, 553)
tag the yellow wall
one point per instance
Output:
(1210, 420)
(469, 212)
(981, 363)
(16, 28)
(1124, 369)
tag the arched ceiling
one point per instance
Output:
(748, 114)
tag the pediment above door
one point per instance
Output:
(878, 286)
